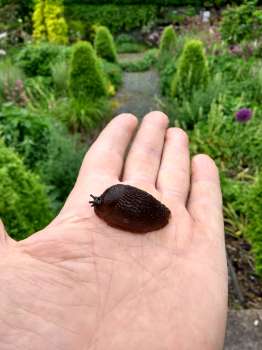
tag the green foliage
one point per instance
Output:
(24, 205)
(143, 64)
(116, 18)
(63, 150)
(55, 22)
(49, 23)
(126, 43)
(241, 23)
(104, 44)
(38, 59)
(252, 208)
(39, 24)
(26, 132)
(166, 77)
(85, 115)
(236, 148)
(167, 45)
(9, 75)
(114, 73)
(87, 80)
(60, 77)
(192, 71)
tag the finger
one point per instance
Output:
(174, 173)
(205, 200)
(144, 157)
(103, 162)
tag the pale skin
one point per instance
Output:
(79, 284)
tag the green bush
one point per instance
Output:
(142, 64)
(125, 43)
(114, 73)
(166, 77)
(116, 18)
(24, 205)
(87, 80)
(38, 59)
(167, 46)
(241, 23)
(49, 23)
(84, 115)
(26, 132)
(63, 150)
(192, 70)
(9, 75)
(252, 208)
(104, 45)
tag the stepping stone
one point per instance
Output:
(244, 330)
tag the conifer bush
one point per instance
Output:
(49, 23)
(87, 80)
(192, 71)
(167, 45)
(24, 205)
(104, 44)
(39, 25)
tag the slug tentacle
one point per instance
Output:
(96, 201)
(130, 209)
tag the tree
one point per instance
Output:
(49, 23)
(167, 45)
(192, 72)
(87, 79)
(104, 44)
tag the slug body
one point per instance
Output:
(130, 209)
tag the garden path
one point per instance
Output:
(138, 94)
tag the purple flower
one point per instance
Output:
(243, 115)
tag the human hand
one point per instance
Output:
(80, 284)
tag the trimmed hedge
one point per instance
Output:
(217, 3)
(116, 18)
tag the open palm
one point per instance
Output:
(80, 284)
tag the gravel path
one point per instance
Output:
(138, 94)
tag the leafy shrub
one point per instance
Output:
(63, 150)
(167, 45)
(60, 77)
(49, 23)
(38, 59)
(143, 64)
(126, 43)
(192, 70)
(84, 115)
(104, 44)
(40, 30)
(252, 208)
(125, 17)
(87, 80)
(166, 77)
(114, 72)
(24, 205)
(26, 132)
(9, 75)
(241, 23)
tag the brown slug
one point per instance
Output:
(130, 209)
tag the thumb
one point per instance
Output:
(4, 238)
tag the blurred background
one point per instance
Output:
(67, 67)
